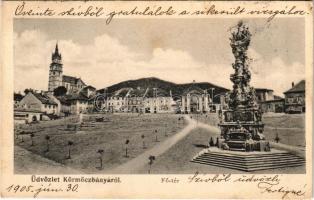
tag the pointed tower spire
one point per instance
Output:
(56, 49)
(56, 55)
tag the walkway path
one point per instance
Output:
(134, 165)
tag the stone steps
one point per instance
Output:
(255, 160)
(242, 157)
(249, 162)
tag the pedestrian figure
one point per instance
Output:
(101, 153)
(151, 161)
(126, 148)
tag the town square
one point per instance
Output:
(182, 121)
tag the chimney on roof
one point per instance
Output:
(292, 84)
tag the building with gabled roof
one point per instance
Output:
(78, 102)
(295, 98)
(39, 102)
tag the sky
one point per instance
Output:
(177, 50)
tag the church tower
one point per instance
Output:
(55, 71)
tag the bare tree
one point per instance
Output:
(70, 143)
(32, 138)
(156, 134)
(166, 135)
(47, 137)
(143, 138)
(277, 139)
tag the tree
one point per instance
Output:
(70, 143)
(21, 135)
(47, 137)
(126, 148)
(166, 135)
(59, 91)
(143, 138)
(211, 142)
(26, 91)
(156, 135)
(151, 161)
(101, 153)
(32, 141)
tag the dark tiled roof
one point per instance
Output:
(26, 110)
(263, 90)
(299, 87)
(277, 97)
(76, 96)
(63, 100)
(89, 87)
(43, 98)
(71, 79)
(18, 97)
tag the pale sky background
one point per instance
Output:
(177, 50)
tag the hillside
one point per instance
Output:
(152, 82)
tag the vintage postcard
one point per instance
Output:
(156, 99)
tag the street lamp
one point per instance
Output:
(212, 102)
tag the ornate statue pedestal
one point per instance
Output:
(241, 130)
(239, 144)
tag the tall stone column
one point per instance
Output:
(200, 104)
(188, 103)
(183, 104)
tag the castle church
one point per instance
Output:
(57, 79)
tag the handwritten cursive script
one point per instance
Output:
(89, 10)
(206, 178)
(277, 188)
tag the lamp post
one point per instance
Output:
(212, 102)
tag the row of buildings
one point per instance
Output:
(81, 98)
(42, 105)
(293, 102)
(156, 100)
